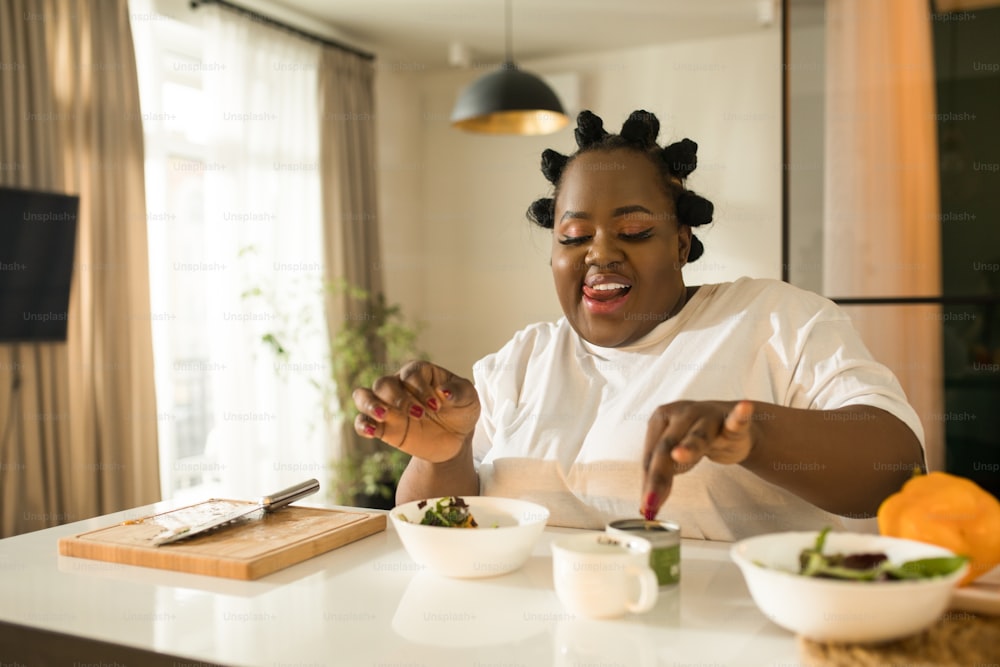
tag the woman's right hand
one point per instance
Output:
(424, 410)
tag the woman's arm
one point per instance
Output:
(455, 477)
(845, 461)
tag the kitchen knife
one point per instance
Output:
(270, 503)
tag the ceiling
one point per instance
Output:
(421, 31)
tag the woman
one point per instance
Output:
(734, 409)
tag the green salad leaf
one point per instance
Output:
(451, 512)
(873, 566)
(926, 568)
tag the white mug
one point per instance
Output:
(603, 576)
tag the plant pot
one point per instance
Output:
(376, 501)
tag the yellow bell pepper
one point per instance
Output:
(949, 511)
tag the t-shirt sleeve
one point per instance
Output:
(482, 437)
(835, 369)
(499, 380)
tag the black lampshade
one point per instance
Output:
(508, 101)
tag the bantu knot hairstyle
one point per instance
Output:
(639, 131)
(681, 157)
(589, 130)
(553, 164)
(542, 212)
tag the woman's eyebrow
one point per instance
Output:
(625, 210)
(616, 213)
(577, 215)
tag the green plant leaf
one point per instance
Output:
(272, 341)
(927, 567)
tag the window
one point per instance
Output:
(171, 88)
(233, 207)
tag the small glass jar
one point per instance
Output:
(665, 536)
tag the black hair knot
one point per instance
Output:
(553, 164)
(681, 157)
(542, 212)
(696, 249)
(589, 129)
(641, 128)
(694, 210)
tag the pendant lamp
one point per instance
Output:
(508, 101)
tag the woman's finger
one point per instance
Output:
(434, 386)
(735, 440)
(438, 388)
(697, 442)
(658, 481)
(666, 428)
(392, 392)
(392, 431)
(738, 420)
(368, 404)
(367, 427)
(418, 379)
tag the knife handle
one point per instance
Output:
(289, 495)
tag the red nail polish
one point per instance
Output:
(650, 506)
(432, 403)
(416, 412)
(369, 429)
(379, 412)
(446, 393)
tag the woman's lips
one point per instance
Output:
(606, 298)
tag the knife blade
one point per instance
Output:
(269, 503)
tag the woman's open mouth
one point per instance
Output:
(605, 298)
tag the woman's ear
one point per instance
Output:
(683, 244)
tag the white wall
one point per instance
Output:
(458, 251)
(399, 137)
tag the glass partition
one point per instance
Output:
(965, 307)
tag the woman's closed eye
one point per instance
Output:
(573, 240)
(631, 236)
(638, 236)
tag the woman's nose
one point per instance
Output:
(604, 250)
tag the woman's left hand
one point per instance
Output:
(679, 434)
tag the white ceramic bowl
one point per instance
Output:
(834, 610)
(507, 532)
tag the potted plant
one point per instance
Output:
(374, 339)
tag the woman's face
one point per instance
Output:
(617, 250)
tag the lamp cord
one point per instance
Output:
(510, 38)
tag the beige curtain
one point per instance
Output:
(881, 229)
(347, 167)
(80, 429)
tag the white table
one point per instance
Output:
(366, 603)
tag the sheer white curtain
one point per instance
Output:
(881, 219)
(263, 220)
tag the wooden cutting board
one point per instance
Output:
(249, 548)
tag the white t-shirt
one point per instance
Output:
(563, 421)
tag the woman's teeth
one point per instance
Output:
(608, 286)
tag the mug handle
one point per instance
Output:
(649, 589)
